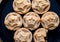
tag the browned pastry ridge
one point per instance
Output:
(13, 21)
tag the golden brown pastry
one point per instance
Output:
(40, 35)
(50, 20)
(23, 35)
(31, 20)
(21, 6)
(40, 6)
(13, 21)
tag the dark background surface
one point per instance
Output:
(7, 35)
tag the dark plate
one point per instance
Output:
(7, 35)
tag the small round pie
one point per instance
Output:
(31, 21)
(21, 6)
(13, 21)
(23, 35)
(40, 6)
(40, 35)
(50, 20)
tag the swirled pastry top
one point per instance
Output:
(31, 20)
(40, 34)
(13, 21)
(40, 6)
(21, 6)
(23, 35)
(50, 20)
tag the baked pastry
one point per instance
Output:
(0, 1)
(21, 6)
(40, 6)
(50, 20)
(23, 35)
(1, 40)
(40, 35)
(31, 21)
(13, 21)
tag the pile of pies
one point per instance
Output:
(23, 25)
